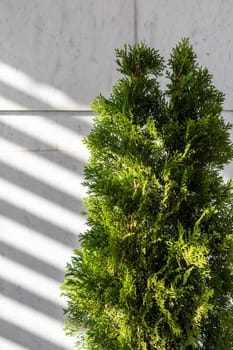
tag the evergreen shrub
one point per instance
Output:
(155, 268)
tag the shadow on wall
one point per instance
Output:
(41, 165)
(55, 53)
(51, 59)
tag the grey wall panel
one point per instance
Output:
(57, 54)
(208, 24)
(41, 172)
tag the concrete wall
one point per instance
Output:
(55, 56)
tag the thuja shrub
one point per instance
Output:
(155, 268)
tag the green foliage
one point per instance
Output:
(155, 269)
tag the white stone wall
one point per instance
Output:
(55, 56)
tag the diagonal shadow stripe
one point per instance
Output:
(21, 98)
(33, 301)
(70, 123)
(56, 156)
(30, 261)
(25, 338)
(40, 188)
(66, 119)
(37, 224)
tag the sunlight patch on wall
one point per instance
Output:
(41, 193)
(40, 207)
(34, 322)
(47, 133)
(42, 169)
(44, 93)
(10, 105)
(31, 242)
(31, 280)
(9, 345)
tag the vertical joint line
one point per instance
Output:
(135, 22)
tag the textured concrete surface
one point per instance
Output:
(41, 170)
(208, 24)
(60, 52)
